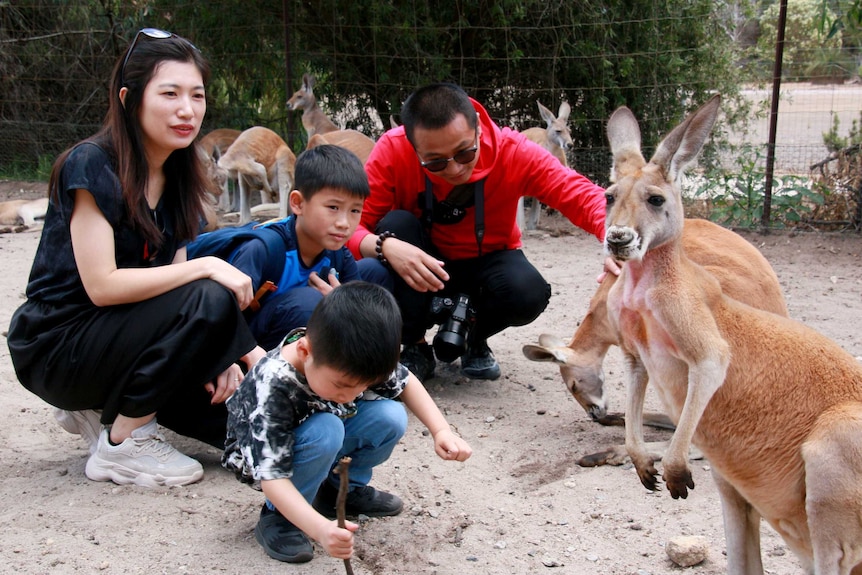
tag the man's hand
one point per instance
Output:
(611, 266)
(421, 271)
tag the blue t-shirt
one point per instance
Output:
(249, 258)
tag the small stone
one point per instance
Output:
(500, 545)
(686, 551)
(472, 558)
(490, 419)
(551, 562)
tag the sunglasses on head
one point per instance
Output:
(153, 33)
(462, 157)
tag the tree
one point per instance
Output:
(509, 53)
(368, 56)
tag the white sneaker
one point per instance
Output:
(85, 423)
(144, 459)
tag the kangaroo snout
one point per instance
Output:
(622, 242)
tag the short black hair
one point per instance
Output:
(434, 106)
(356, 329)
(329, 166)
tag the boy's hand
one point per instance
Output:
(451, 447)
(324, 287)
(336, 541)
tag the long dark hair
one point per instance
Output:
(121, 137)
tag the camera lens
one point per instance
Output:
(449, 345)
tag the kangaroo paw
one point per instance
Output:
(678, 482)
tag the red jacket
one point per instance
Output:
(513, 167)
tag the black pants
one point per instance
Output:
(149, 357)
(504, 288)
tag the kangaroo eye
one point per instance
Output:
(656, 200)
(609, 198)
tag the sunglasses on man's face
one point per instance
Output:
(153, 33)
(462, 157)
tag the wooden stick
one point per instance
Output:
(341, 500)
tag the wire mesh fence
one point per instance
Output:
(56, 57)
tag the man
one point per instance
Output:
(441, 214)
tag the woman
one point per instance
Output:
(117, 319)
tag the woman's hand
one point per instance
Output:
(231, 278)
(225, 384)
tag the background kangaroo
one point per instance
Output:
(213, 145)
(352, 140)
(557, 139)
(775, 406)
(259, 159)
(313, 119)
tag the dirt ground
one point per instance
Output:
(520, 505)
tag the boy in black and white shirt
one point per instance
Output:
(327, 392)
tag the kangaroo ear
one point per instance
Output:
(539, 353)
(624, 136)
(307, 82)
(679, 149)
(565, 110)
(547, 115)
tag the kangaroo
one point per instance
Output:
(775, 406)
(213, 145)
(740, 268)
(557, 139)
(313, 119)
(352, 140)
(23, 212)
(260, 159)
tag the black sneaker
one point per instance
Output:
(479, 362)
(360, 501)
(281, 539)
(419, 359)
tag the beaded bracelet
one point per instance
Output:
(379, 247)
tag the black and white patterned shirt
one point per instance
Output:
(272, 400)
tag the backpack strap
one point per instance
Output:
(273, 267)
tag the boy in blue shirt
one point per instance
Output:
(331, 187)
(325, 393)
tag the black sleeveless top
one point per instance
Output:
(54, 276)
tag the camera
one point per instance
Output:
(456, 317)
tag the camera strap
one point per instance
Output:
(479, 202)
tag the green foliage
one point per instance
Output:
(27, 171)
(737, 197)
(835, 142)
(808, 53)
(510, 53)
(368, 56)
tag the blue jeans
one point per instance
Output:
(292, 309)
(368, 438)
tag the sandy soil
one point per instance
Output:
(520, 505)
